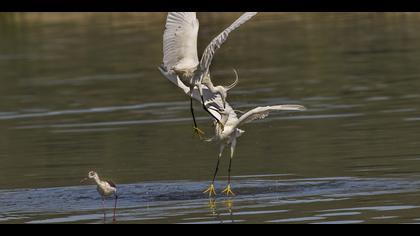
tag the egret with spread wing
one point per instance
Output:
(180, 54)
(227, 131)
(227, 134)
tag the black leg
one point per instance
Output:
(103, 208)
(195, 128)
(216, 170)
(115, 206)
(229, 170)
(192, 112)
(211, 190)
(228, 188)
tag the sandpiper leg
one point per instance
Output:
(103, 208)
(115, 207)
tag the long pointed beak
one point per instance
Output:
(83, 180)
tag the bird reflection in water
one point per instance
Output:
(214, 211)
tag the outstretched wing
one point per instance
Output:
(180, 41)
(215, 44)
(213, 101)
(263, 112)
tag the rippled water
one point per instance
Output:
(81, 91)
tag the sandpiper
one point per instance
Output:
(106, 188)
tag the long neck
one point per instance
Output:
(97, 180)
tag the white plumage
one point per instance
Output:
(228, 130)
(180, 55)
(180, 41)
(215, 44)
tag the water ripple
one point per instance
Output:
(169, 200)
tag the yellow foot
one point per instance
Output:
(228, 191)
(198, 131)
(211, 191)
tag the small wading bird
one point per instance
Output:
(227, 129)
(180, 55)
(105, 189)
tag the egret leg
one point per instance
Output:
(228, 189)
(115, 207)
(211, 190)
(195, 128)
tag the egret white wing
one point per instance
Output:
(215, 44)
(171, 76)
(180, 41)
(263, 112)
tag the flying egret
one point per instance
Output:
(105, 188)
(227, 131)
(180, 54)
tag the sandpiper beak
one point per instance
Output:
(83, 180)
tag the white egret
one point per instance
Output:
(106, 188)
(227, 131)
(180, 54)
(227, 134)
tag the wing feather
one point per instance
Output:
(215, 44)
(180, 41)
(263, 112)
(112, 184)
